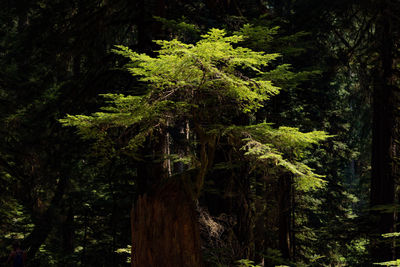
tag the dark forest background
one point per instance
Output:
(76, 200)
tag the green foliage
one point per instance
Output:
(180, 29)
(283, 148)
(246, 263)
(389, 263)
(195, 82)
(394, 234)
(259, 37)
(125, 251)
(205, 67)
(179, 78)
(393, 262)
(274, 257)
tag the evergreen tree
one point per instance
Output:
(193, 83)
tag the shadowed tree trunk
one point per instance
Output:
(259, 227)
(285, 216)
(44, 225)
(384, 147)
(246, 220)
(165, 229)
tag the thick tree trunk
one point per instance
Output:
(384, 166)
(165, 229)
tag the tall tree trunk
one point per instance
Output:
(68, 232)
(259, 227)
(293, 223)
(165, 229)
(44, 224)
(285, 215)
(384, 166)
(245, 221)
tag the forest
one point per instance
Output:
(199, 133)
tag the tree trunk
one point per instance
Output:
(245, 221)
(384, 166)
(44, 224)
(284, 216)
(165, 229)
(68, 232)
(259, 228)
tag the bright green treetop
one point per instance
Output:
(209, 84)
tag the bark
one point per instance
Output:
(293, 225)
(285, 216)
(259, 229)
(207, 154)
(385, 104)
(245, 210)
(165, 229)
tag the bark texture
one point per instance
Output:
(384, 136)
(165, 229)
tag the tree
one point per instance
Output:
(210, 88)
(385, 149)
